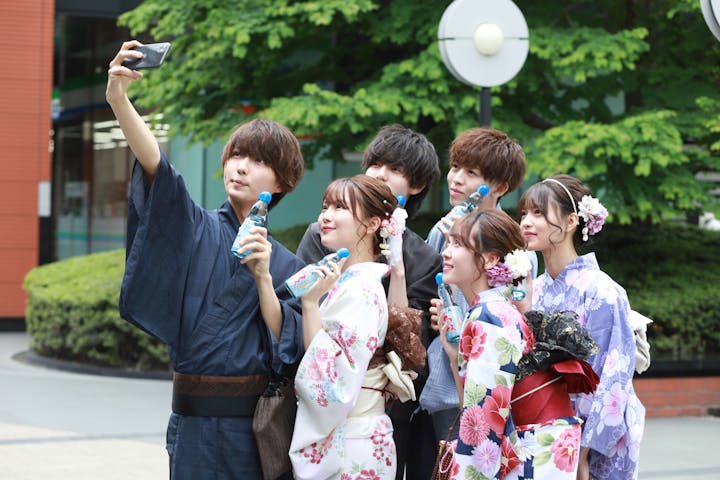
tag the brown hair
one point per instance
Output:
(539, 196)
(274, 145)
(368, 197)
(488, 231)
(499, 158)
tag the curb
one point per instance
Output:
(30, 358)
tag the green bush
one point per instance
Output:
(72, 314)
(670, 273)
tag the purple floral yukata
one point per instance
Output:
(614, 418)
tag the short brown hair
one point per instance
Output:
(499, 158)
(274, 145)
(488, 231)
(368, 197)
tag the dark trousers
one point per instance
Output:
(414, 441)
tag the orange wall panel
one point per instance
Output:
(26, 32)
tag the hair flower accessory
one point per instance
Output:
(514, 266)
(594, 214)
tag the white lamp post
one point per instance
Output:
(483, 43)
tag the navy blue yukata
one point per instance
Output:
(183, 286)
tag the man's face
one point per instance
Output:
(393, 177)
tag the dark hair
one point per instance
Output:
(488, 231)
(499, 158)
(409, 151)
(274, 145)
(539, 196)
(368, 197)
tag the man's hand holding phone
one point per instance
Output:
(153, 56)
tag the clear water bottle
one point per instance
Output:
(450, 313)
(303, 280)
(471, 202)
(256, 218)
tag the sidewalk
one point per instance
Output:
(70, 426)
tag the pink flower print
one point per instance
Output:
(368, 474)
(565, 449)
(372, 344)
(345, 338)
(321, 398)
(331, 372)
(473, 427)
(388, 461)
(378, 453)
(614, 405)
(486, 458)
(620, 448)
(507, 314)
(497, 408)
(321, 355)
(615, 362)
(510, 463)
(472, 342)
(314, 371)
(378, 437)
(345, 476)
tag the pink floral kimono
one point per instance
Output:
(341, 429)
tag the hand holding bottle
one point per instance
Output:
(257, 217)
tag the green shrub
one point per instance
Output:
(670, 273)
(72, 314)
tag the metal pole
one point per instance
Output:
(485, 107)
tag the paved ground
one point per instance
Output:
(70, 426)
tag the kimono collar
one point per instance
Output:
(490, 295)
(584, 262)
(226, 210)
(374, 269)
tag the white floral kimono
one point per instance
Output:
(341, 429)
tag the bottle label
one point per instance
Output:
(243, 231)
(452, 316)
(302, 281)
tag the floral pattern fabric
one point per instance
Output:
(341, 429)
(614, 417)
(490, 445)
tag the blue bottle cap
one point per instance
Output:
(439, 278)
(483, 190)
(343, 253)
(401, 200)
(265, 197)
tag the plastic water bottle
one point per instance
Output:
(471, 202)
(256, 218)
(450, 313)
(396, 241)
(303, 280)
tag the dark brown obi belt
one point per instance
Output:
(211, 396)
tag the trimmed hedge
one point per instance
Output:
(670, 272)
(72, 314)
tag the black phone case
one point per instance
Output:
(154, 56)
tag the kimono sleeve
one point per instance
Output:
(331, 374)
(605, 411)
(162, 225)
(488, 357)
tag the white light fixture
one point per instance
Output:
(488, 39)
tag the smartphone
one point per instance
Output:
(154, 56)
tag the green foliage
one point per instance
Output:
(621, 93)
(670, 273)
(72, 314)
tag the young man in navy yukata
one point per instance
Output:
(225, 325)
(407, 162)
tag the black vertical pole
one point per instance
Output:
(485, 107)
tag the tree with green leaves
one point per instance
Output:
(621, 93)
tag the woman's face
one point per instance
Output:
(459, 264)
(338, 226)
(541, 232)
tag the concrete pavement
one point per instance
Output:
(71, 426)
